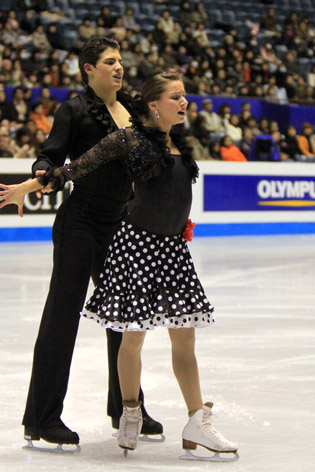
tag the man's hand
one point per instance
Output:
(39, 192)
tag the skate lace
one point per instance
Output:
(206, 423)
(131, 424)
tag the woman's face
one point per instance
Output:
(172, 104)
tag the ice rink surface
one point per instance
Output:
(257, 363)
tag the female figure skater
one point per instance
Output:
(149, 278)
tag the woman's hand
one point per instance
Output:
(14, 194)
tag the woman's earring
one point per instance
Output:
(157, 116)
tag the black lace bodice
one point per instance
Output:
(141, 150)
(162, 181)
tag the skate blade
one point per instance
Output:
(155, 439)
(54, 450)
(146, 438)
(189, 456)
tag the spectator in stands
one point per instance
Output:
(107, 18)
(246, 141)
(159, 35)
(289, 145)
(6, 69)
(17, 73)
(264, 125)
(200, 14)
(268, 54)
(168, 54)
(300, 89)
(200, 34)
(39, 140)
(146, 41)
(174, 35)
(289, 61)
(252, 124)
(10, 36)
(54, 37)
(277, 139)
(129, 21)
(5, 146)
(149, 65)
(309, 98)
(7, 109)
(289, 85)
(40, 40)
(232, 128)
(306, 140)
(133, 81)
(20, 105)
(22, 146)
(191, 115)
(28, 22)
(199, 140)
(37, 114)
(243, 116)
(167, 22)
(311, 77)
(224, 114)
(185, 12)
(72, 62)
(269, 23)
(118, 31)
(86, 30)
(48, 101)
(212, 120)
(229, 151)
(273, 126)
(215, 150)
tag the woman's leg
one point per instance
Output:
(185, 366)
(129, 364)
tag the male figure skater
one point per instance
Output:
(82, 232)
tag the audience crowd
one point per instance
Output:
(271, 60)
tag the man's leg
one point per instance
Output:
(58, 329)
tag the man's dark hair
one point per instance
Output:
(91, 51)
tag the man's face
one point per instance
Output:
(108, 70)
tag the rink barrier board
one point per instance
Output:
(201, 230)
(230, 198)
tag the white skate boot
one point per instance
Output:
(130, 424)
(200, 432)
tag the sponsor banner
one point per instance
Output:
(258, 193)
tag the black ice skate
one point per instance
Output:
(56, 434)
(151, 431)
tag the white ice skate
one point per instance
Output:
(130, 426)
(200, 432)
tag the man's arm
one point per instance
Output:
(58, 143)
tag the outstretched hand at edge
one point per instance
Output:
(12, 194)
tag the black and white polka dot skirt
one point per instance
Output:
(148, 280)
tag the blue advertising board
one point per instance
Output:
(258, 193)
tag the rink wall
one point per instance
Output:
(284, 114)
(229, 199)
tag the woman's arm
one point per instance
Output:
(115, 146)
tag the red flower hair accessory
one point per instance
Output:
(188, 233)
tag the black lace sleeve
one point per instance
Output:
(114, 146)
